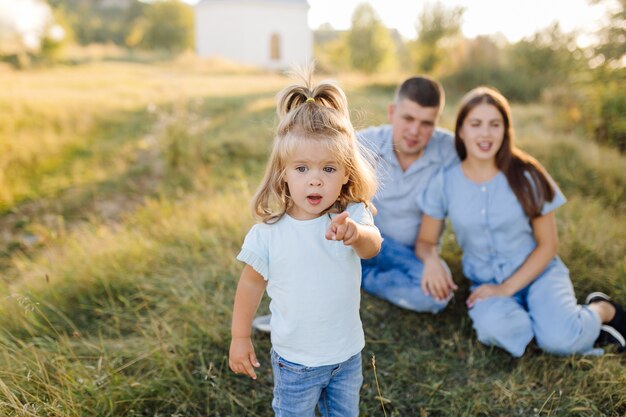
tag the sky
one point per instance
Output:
(514, 19)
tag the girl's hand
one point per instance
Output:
(342, 227)
(436, 281)
(241, 358)
(485, 291)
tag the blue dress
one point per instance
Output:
(496, 238)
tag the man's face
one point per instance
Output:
(413, 125)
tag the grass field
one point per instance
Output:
(123, 202)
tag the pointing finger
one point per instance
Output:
(340, 219)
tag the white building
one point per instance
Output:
(271, 34)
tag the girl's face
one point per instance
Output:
(482, 132)
(314, 178)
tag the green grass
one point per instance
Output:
(124, 203)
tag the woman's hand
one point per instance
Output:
(485, 291)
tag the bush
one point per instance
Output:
(516, 87)
(611, 127)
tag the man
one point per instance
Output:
(409, 151)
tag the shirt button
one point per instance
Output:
(483, 189)
(482, 211)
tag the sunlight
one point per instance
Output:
(25, 19)
(514, 20)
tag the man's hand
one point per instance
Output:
(436, 281)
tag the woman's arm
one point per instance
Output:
(544, 230)
(436, 280)
(242, 358)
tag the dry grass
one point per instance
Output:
(124, 203)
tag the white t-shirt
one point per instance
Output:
(314, 287)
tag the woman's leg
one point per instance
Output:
(560, 325)
(502, 322)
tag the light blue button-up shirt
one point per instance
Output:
(399, 214)
(488, 221)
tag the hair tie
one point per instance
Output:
(310, 99)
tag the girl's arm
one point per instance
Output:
(544, 230)
(242, 359)
(365, 240)
(436, 281)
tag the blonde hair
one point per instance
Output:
(317, 114)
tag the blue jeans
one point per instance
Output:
(333, 388)
(395, 275)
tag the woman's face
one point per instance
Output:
(482, 132)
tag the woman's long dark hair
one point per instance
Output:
(525, 175)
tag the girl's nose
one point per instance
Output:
(315, 181)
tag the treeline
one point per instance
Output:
(159, 25)
(587, 84)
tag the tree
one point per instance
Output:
(168, 25)
(549, 59)
(612, 46)
(435, 24)
(97, 21)
(370, 45)
(330, 49)
(605, 103)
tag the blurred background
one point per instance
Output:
(570, 53)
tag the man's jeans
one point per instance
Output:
(333, 388)
(395, 275)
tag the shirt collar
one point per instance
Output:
(431, 153)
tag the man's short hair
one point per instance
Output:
(422, 90)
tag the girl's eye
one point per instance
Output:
(301, 169)
(329, 169)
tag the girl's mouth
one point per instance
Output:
(314, 199)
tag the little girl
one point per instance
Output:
(501, 205)
(315, 226)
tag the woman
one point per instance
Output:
(501, 204)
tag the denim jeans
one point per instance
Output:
(395, 275)
(333, 388)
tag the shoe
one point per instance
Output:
(597, 296)
(613, 332)
(262, 323)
